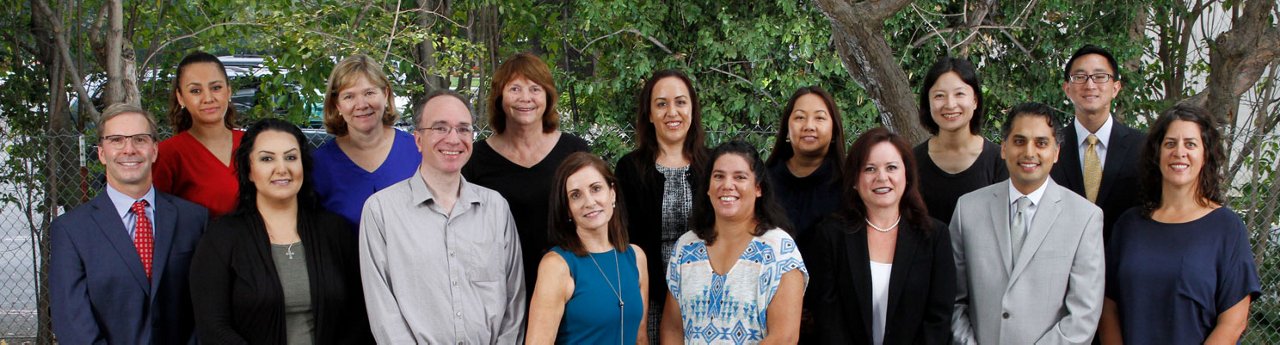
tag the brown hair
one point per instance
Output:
(911, 207)
(178, 115)
(768, 214)
(124, 108)
(695, 147)
(1208, 183)
(530, 67)
(560, 228)
(343, 76)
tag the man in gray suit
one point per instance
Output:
(1028, 253)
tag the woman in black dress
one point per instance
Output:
(279, 269)
(956, 159)
(659, 177)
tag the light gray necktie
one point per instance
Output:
(1018, 227)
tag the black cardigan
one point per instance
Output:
(236, 291)
(641, 186)
(922, 284)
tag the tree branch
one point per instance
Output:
(64, 51)
(627, 30)
(766, 95)
(157, 50)
(395, 21)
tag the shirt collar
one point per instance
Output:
(1035, 195)
(1103, 134)
(421, 194)
(124, 203)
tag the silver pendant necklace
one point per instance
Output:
(616, 292)
(289, 251)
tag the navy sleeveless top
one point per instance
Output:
(592, 314)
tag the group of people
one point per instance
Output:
(1058, 235)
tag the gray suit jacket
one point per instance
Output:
(1052, 295)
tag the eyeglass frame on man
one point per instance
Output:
(118, 141)
(465, 131)
(1082, 78)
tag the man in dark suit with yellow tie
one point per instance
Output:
(1099, 157)
(118, 270)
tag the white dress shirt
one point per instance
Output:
(1104, 138)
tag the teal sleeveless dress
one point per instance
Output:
(592, 315)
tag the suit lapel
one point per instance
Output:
(860, 269)
(1000, 224)
(1069, 159)
(904, 253)
(1119, 150)
(112, 228)
(165, 224)
(1046, 214)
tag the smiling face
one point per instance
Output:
(524, 101)
(203, 90)
(809, 126)
(362, 105)
(443, 153)
(670, 110)
(591, 199)
(128, 167)
(882, 180)
(1091, 98)
(733, 188)
(275, 166)
(1030, 150)
(1182, 154)
(951, 103)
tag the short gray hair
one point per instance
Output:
(421, 106)
(120, 109)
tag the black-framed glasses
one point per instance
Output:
(118, 141)
(465, 131)
(1098, 78)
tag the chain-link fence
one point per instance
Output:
(42, 176)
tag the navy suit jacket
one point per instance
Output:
(100, 293)
(1120, 186)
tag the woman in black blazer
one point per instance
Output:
(882, 269)
(278, 270)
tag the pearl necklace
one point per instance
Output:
(884, 229)
(616, 292)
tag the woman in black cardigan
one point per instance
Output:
(278, 270)
(882, 269)
(669, 142)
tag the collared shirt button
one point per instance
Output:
(1005, 315)
(451, 253)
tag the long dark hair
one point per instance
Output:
(560, 228)
(1209, 182)
(178, 115)
(646, 135)
(911, 207)
(307, 199)
(768, 213)
(782, 151)
(969, 75)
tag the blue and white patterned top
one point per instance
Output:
(730, 308)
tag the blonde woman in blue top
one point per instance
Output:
(592, 286)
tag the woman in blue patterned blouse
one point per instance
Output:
(737, 277)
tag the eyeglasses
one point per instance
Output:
(117, 141)
(465, 131)
(1098, 78)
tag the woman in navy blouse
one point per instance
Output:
(1179, 267)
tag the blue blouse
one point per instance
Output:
(343, 186)
(591, 316)
(1171, 281)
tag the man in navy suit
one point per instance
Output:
(1092, 80)
(118, 271)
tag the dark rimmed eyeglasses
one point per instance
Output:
(1098, 78)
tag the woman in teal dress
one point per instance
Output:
(591, 286)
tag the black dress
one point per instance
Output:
(806, 199)
(236, 292)
(941, 189)
(527, 191)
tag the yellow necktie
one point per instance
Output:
(1092, 169)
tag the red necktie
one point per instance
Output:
(142, 238)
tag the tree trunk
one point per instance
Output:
(858, 33)
(425, 50)
(1237, 59)
(486, 31)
